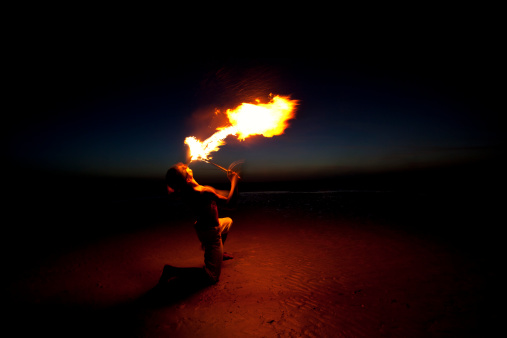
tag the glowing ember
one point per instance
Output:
(267, 119)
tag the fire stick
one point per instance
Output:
(219, 167)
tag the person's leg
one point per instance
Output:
(213, 256)
(225, 225)
(213, 252)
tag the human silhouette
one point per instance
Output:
(211, 230)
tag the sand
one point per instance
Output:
(314, 265)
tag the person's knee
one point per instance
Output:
(226, 224)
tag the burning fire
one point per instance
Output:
(267, 119)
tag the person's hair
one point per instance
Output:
(175, 178)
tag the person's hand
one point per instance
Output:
(231, 175)
(234, 170)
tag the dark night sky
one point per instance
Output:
(103, 107)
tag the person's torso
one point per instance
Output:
(205, 209)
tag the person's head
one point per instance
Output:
(179, 177)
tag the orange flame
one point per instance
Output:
(267, 119)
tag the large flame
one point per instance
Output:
(267, 119)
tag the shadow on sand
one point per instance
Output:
(175, 286)
(123, 319)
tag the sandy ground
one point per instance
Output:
(312, 265)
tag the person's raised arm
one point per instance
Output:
(233, 177)
(225, 196)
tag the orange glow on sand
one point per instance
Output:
(266, 119)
